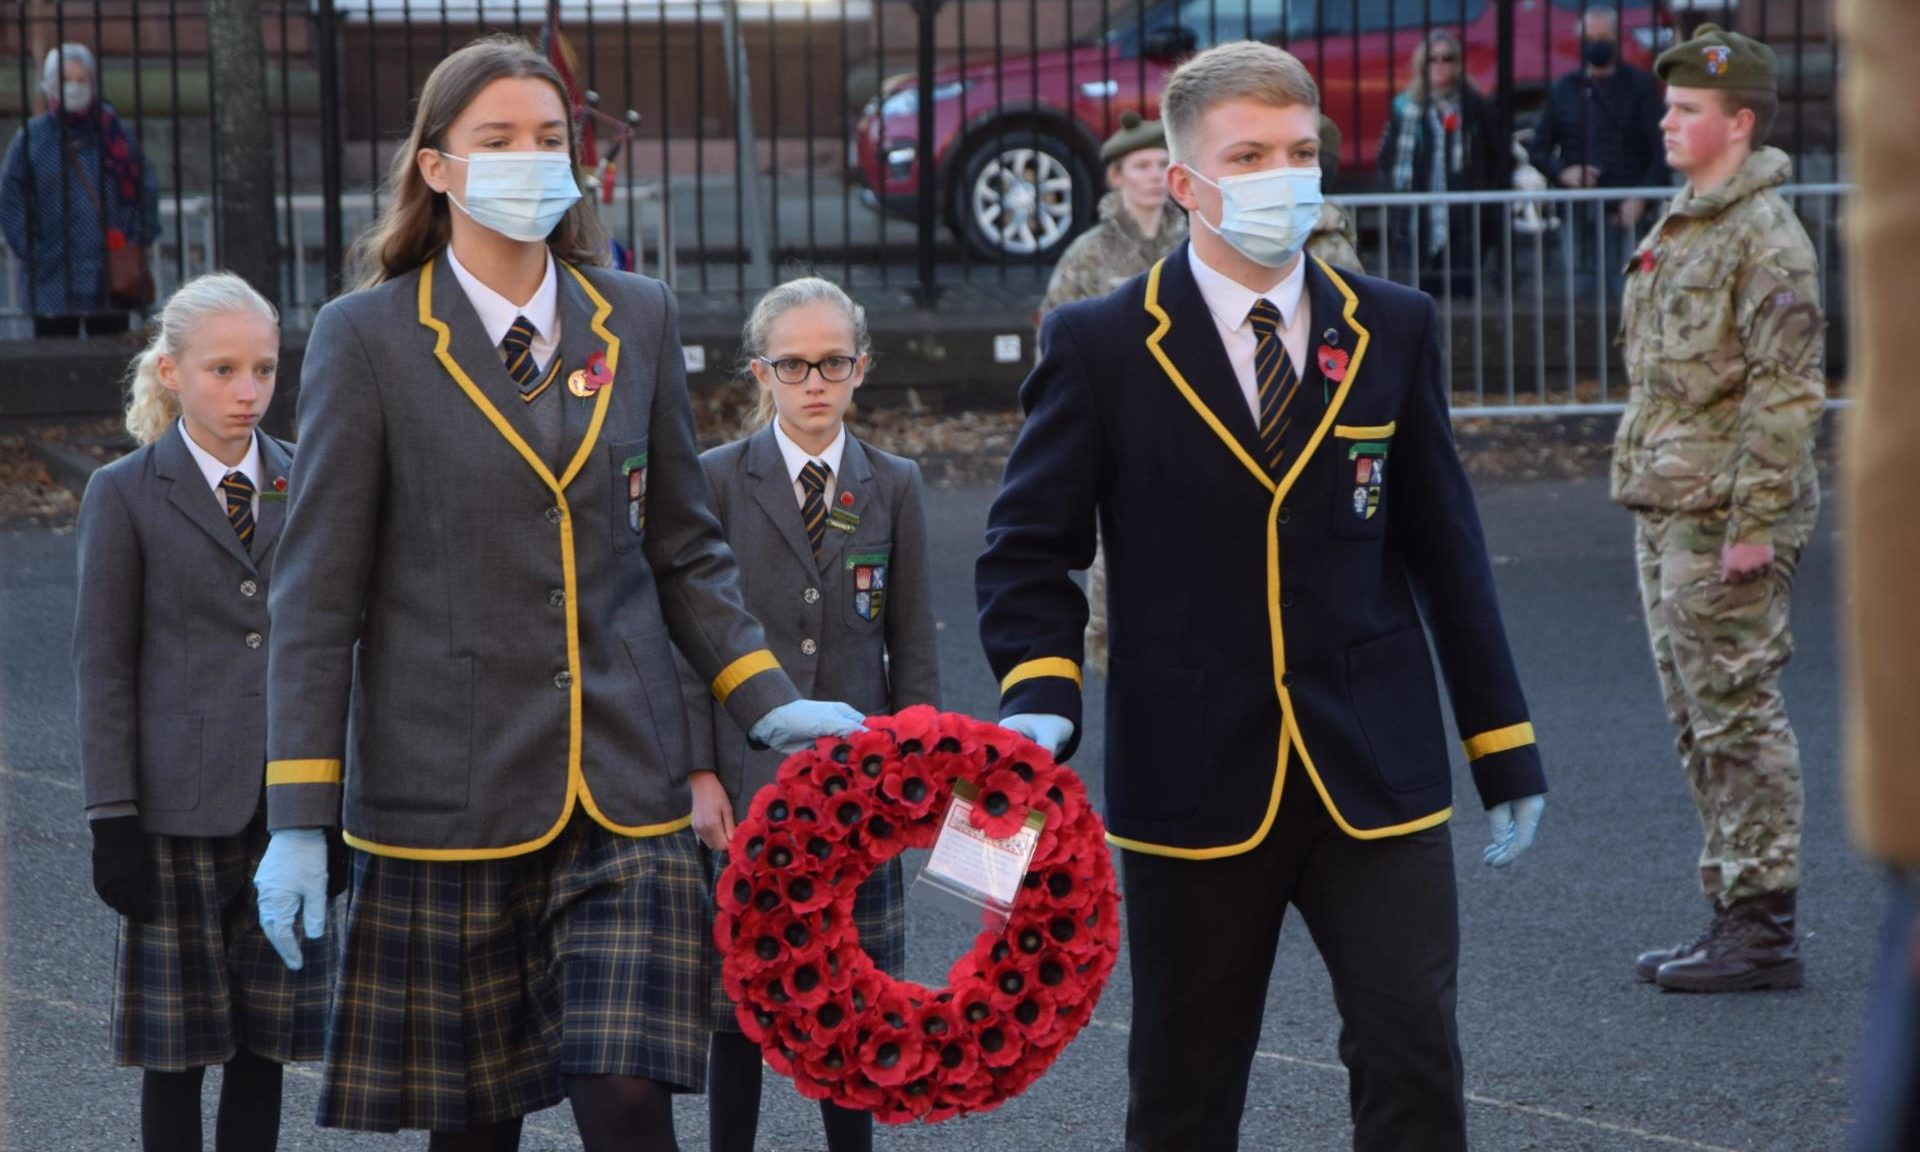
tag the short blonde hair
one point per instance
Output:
(151, 406)
(1242, 70)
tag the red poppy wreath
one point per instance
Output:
(812, 998)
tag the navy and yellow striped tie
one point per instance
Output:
(238, 493)
(516, 352)
(813, 508)
(1273, 372)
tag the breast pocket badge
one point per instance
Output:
(869, 572)
(1369, 460)
(633, 470)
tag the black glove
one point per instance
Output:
(122, 870)
(339, 864)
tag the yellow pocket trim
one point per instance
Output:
(1499, 740)
(1045, 666)
(741, 671)
(1364, 431)
(302, 772)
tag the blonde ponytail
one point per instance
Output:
(152, 407)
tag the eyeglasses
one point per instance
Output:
(1446, 59)
(793, 370)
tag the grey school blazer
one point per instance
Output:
(169, 644)
(857, 625)
(476, 594)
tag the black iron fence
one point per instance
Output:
(910, 145)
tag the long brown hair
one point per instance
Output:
(417, 222)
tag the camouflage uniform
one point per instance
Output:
(1106, 256)
(1334, 239)
(1723, 336)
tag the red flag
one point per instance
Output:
(559, 53)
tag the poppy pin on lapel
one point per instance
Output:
(584, 382)
(1333, 362)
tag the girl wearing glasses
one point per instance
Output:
(831, 540)
(1442, 137)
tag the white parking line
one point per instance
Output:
(1487, 1101)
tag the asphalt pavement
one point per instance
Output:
(1565, 1051)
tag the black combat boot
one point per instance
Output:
(1755, 948)
(1647, 965)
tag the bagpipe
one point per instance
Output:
(600, 170)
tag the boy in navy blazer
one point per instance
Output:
(1265, 444)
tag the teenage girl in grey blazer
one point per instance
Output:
(831, 539)
(176, 548)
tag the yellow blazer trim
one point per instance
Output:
(302, 772)
(1193, 398)
(1365, 431)
(1045, 666)
(1499, 740)
(1289, 730)
(741, 671)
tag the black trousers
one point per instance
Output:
(1201, 936)
(97, 324)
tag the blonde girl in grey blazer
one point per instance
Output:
(176, 549)
(499, 533)
(831, 538)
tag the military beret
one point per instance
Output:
(1717, 59)
(1134, 135)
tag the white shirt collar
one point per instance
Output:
(796, 458)
(1230, 301)
(215, 471)
(497, 312)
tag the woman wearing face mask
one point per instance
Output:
(74, 187)
(498, 535)
(1442, 137)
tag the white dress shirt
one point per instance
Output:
(1230, 301)
(497, 312)
(215, 472)
(796, 458)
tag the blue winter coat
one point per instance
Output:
(65, 253)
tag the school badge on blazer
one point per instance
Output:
(1369, 460)
(633, 473)
(869, 581)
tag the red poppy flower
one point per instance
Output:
(116, 240)
(598, 375)
(846, 499)
(1451, 122)
(1647, 260)
(279, 483)
(1001, 807)
(1333, 362)
(868, 754)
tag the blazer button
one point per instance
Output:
(254, 640)
(808, 647)
(563, 680)
(249, 588)
(553, 515)
(811, 595)
(1285, 514)
(1286, 599)
(1286, 679)
(557, 598)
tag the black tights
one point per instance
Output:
(733, 1102)
(613, 1113)
(249, 1107)
(501, 1137)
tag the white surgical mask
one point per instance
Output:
(521, 195)
(1266, 216)
(76, 96)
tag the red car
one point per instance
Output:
(1016, 146)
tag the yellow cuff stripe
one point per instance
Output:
(1364, 431)
(741, 671)
(1498, 740)
(1046, 666)
(303, 772)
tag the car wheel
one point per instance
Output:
(1022, 195)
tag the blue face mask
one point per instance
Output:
(1266, 216)
(521, 195)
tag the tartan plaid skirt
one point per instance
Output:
(199, 981)
(469, 990)
(879, 915)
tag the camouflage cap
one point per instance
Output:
(1134, 135)
(1717, 59)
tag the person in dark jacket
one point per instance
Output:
(1601, 129)
(1442, 137)
(74, 186)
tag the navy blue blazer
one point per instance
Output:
(1257, 623)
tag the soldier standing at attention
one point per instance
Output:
(1723, 334)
